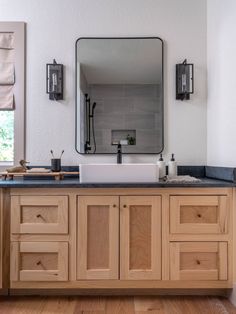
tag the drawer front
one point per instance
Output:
(199, 214)
(39, 261)
(39, 214)
(198, 261)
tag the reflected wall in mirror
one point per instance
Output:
(119, 95)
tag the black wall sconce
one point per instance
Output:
(184, 80)
(54, 80)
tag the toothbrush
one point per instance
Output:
(51, 151)
(62, 153)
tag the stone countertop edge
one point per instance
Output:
(210, 177)
(75, 183)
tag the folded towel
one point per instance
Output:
(7, 76)
(38, 170)
(6, 97)
(6, 40)
(182, 179)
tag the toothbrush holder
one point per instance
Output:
(56, 164)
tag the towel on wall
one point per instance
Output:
(6, 97)
(7, 76)
(6, 40)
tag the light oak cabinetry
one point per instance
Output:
(198, 261)
(122, 238)
(39, 261)
(4, 240)
(201, 214)
(98, 237)
(39, 214)
(140, 237)
(35, 253)
(115, 240)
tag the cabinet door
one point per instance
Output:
(98, 237)
(198, 261)
(39, 214)
(140, 234)
(199, 214)
(39, 261)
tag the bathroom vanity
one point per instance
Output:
(98, 238)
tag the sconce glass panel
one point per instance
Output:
(55, 81)
(184, 80)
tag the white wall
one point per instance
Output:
(52, 28)
(221, 121)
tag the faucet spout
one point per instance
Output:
(119, 154)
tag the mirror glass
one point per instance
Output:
(119, 95)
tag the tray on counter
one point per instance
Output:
(57, 175)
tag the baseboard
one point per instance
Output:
(232, 297)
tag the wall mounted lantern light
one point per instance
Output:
(54, 80)
(184, 80)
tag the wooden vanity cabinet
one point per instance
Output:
(4, 240)
(1, 243)
(122, 238)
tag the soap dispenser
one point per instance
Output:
(172, 167)
(162, 167)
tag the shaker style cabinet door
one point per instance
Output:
(98, 237)
(39, 214)
(199, 214)
(140, 236)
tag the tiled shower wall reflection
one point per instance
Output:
(136, 107)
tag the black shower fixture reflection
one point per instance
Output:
(89, 125)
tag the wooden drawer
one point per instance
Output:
(39, 214)
(198, 261)
(39, 261)
(199, 214)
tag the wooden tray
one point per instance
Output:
(57, 175)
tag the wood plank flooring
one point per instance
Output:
(116, 305)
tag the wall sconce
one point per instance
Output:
(184, 80)
(55, 80)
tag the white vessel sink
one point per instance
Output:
(113, 173)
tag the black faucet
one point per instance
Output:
(119, 154)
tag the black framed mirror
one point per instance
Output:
(119, 95)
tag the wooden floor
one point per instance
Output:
(116, 305)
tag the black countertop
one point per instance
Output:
(209, 177)
(75, 183)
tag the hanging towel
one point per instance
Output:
(7, 73)
(6, 40)
(6, 97)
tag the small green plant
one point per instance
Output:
(6, 135)
(131, 140)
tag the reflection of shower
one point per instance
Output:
(93, 130)
(89, 124)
